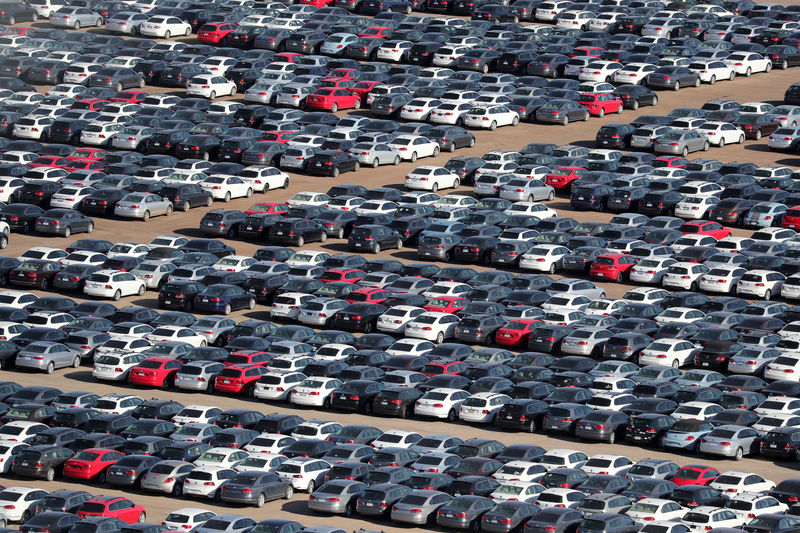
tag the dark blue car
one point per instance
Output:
(223, 298)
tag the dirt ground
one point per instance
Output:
(759, 87)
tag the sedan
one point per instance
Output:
(139, 205)
(491, 117)
(210, 87)
(63, 222)
(75, 18)
(255, 488)
(375, 154)
(47, 356)
(681, 142)
(672, 78)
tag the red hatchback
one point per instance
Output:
(130, 97)
(50, 161)
(277, 136)
(88, 154)
(91, 463)
(333, 99)
(669, 161)
(90, 104)
(112, 507)
(286, 57)
(516, 332)
(438, 368)
(237, 379)
(792, 218)
(561, 178)
(216, 32)
(612, 266)
(370, 295)
(363, 88)
(347, 275)
(271, 208)
(381, 32)
(155, 372)
(705, 227)
(695, 475)
(600, 104)
(446, 304)
(587, 51)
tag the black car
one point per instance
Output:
(331, 163)
(185, 197)
(297, 231)
(634, 96)
(103, 201)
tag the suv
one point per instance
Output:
(222, 222)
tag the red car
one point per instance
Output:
(88, 154)
(347, 275)
(516, 332)
(600, 104)
(215, 32)
(318, 3)
(112, 507)
(561, 178)
(343, 73)
(130, 97)
(333, 99)
(155, 372)
(336, 83)
(272, 208)
(669, 161)
(282, 137)
(792, 218)
(253, 357)
(446, 304)
(85, 165)
(695, 475)
(381, 32)
(587, 51)
(438, 368)
(90, 104)
(237, 379)
(370, 295)
(51, 161)
(612, 266)
(287, 57)
(91, 463)
(705, 227)
(363, 88)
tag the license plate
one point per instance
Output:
(156, 144)
(167, 302)
(140, 373)
(703, 364)
(773, 445)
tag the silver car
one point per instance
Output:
(293, 95)
(263, 92)
(730, 441)
(739, 362)
(375, 154)
(211, 327)
(644, 136)
(585, 341)
(153, 272)
(320, 311)
(681, 143)
(167, 476)
(191, 272)
(131, 137)
(198, 375)
(335, 497)
(142, 205)
(783, 138)
(418, 506)
(75, 18)
(125, 22)
(297, 156)
(47, 356)
(525, 189)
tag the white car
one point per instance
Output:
(31, 127)
(395, 318)
(442, 403)
(449, 113)
(205, 481)
(721, 279)
(333, 352)
(196, 414)
(559, 497)
(544, 258)
(633, 73)
(19, 503)
(304, 473)
(395, 438)
(226, 187)
(712, 70)
(649, 509)
(563, 458)
(604, 463)
(525, 471)
(187, 518)
(115, 366)
(269, 443)
(70, 197)
(265, 178)
(308, 198)
(17, 299)
(721, 133)
(409, 346)
(776, 405)
(393, 50)
(683, 275)
(491, 116)
(432, 326)
(696, 410)
(599, 71)
(419, 109)
(376, 207)
(224, 457)
(523, 491)
(176, 333)
(100, 133)
(307, 258)
(234, 263)
(695, 207)
(165, 27)
(746, 63)
(287, 305)
(435, 462)
(314, 392)
(748, 505)
(277, 386)
(9, 330)
(411, 147)
(446, 288)
(113, 284)
(679, 314)
(482, 407)
(761, 283)
(670, 352)
(261, 462)
(783, 367)
(209, 86)
(431, 178)
(117, 404)
(735, 481)
(699, 518)
(8, 450)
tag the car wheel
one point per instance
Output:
(119, 88)
(677, 86)
(706, 146)
(515, 121)
(75, 26)
(289, 492)
(485, 69)
(675, 363)
(141, 290)
(76, 361)
(376, 249)
(340, 233)
(45, 285)
(721, 143)
(697, 82)
(227, 197)
(601, 113)
(748, 72)
(634, 105)
(784, 65)
(117, 295)
(552, 268)
(768, 294)
(739, 454)
(98, 23)
(146, 216)
(768, 67)
(50, 367)
(493, 126)
(565, 121)
(141, 83)
(685, 151)
(758, 135)
(434, 187)
(471, 142)
(50, 475)
(741, 138)
(3, 242)
(551, 195)
(261, 500)
(142, 518)
(435, 151)
(177, 490)
(227, 309)
(209, 201)
(167, 34)
(249, 193)
(375, 163)
(334, 108)
(399, 244)
(335, 172)
(396, 160)
(185, 206)
(413, 156)
(713, 80)
(212, 95)
(612, 438)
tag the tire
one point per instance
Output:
(434, 187)
(768, 294)
(612, 438)
(485, 69)
(451, 147)
(117, 295)
(601, 113)
(233, 92)
(551, 195)
(146, 216)
(141, 83)
(3, 242)
(209, 201)
(300, 241)
(50, 475)
(413, 156)
(685, 151)
(289, 493)
(167, 34)
(769, 67)
(655, 100)
(493, 126)
(142, 518)
(356, 167)
(456, 183)
(697, 82)
(436, 151)
(784, 65)
(451, 416)
(635, 105)
(552, 268)
(212, 95)
(748, 72)
(439, 338)
(141, 290)
(185, 206)
(741, 139)
(340, 233)
(227, 310)
(261, 500)
(739, 454)
(758, 135)
(76, 361)
(713, 80)
(706, 146)
(721, 143)
(376, 249)
(375, 163)
(335, 172)
(675, 363)
(334, 108)
(565, 121)
(396, 160)
(249, 193)
(399, 243)
(177, 490)
(357, 104)
(515, 121)
(471, 142)
(45, 285)
(677, 86)
(323, 236)
(732, 76)
(251, 304)
(119, 87)
(75, 26)
(97, 24)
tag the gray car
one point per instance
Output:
(680, 143)
(463, 512)
(437, 246)
(131, 137)
(336, 497)
(153, 273)
(418, 506)
(644, 136)
(375, 154)
(142, 205)
(524, 189)
(75, 18)
(213, 328)
(256, 488)
(167, 476)
(198, 375)
(47, 356)
(128, 471)
(731, 441)
(125, 22)
(83, 342)
(227, 523)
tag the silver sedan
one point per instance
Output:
(375, 154)
(142, 205)
(126, 22)
(418, 506)
(47, 356)
(167, 476)
(730, 441)
(75, 18)
(680, 143)
(526, 189)
(131, 137)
